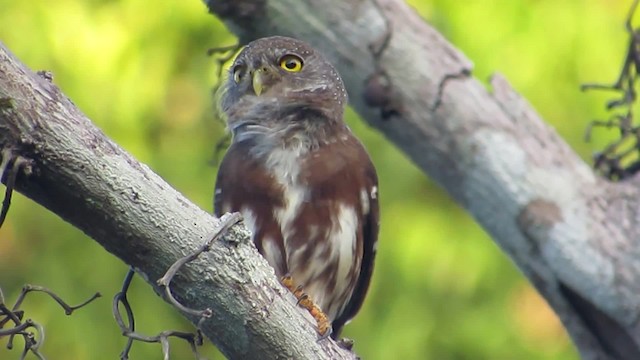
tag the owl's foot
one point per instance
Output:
(324, 325)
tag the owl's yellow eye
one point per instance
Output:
(291, 63)
(238, 73)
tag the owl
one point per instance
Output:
(306, 187)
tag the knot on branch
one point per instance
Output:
(539, 215)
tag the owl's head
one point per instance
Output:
(285, 76)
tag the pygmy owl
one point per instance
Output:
(305, 185)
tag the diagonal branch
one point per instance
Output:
(572, 233)
(82, 176)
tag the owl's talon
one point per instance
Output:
(287, 281)
(304, 301)
(299, 293)
(326, 334)
(303, 297)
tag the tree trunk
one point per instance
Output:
(572, 233)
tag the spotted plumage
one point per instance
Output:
(304, 184)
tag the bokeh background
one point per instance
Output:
(442, 289)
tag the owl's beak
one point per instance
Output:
(257, 80)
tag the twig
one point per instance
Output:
(224, 54)
(121, 298)
(462, 74)
(68, 309)
(31, 342)
(11, 180)
(194, 340)
(613, 162)
(226, 222)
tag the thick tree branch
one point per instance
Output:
(79, 174)
(573, 234)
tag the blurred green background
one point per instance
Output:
(441, 290)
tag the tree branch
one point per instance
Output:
(573, 234)
(79, 174)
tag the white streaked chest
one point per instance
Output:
(329, 282)
(329, 275)
(285, 166)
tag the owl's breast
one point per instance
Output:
(305, 210)
(320, 222)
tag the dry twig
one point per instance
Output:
(194, 339)
(620, 158)
(32, 341)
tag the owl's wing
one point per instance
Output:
(243, 185)
(370, 227)
(242, 182)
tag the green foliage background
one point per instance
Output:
(441, 290)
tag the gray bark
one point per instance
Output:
(75, 171)
(572, 233)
